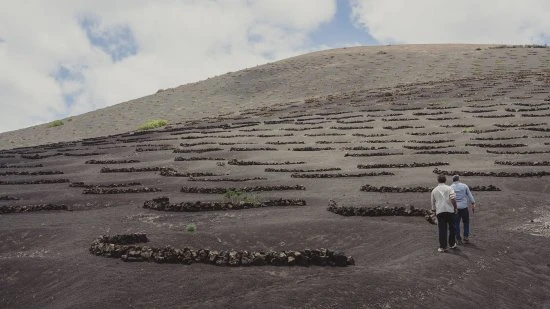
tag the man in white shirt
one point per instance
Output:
(464, 198)
(444, 204)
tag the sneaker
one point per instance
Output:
(441, 250)
(460, 242)
(453, 246)
(466, 240)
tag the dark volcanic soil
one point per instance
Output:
(44, 258)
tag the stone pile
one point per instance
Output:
(484, 145)
(493, 174)
(169, 172)
(240, 162)
(8, 198)
(112, 185)
(401, 165)
(383, 141)
(442, 118)
(72, 149)
(196, 144)
(253, 149)
(426, 147)
(27, 173)
(33, 182)
(538, 129)
(275, 135)
(98, 190)
(125, 248)
(309, 148)
(219, 190)
(480, 111)
(131, 169)
(495, 116)
(430, 113)
(516, 125)
(364, 148)
(325, 134)
(518, 152)
(437, 141)
(163, 204)
(352, 128)
(535, 115)
(37, 156)
(111, 161)
(30, 208)
(143, 149)
(198, 159)
(278, 121)
(340, 175)
(302, 129)
(298, 170)
(227, 179)
(525, 163)
(378, 211)
(285, 143)
(373, 154)
(355, 121)
(3, 165)
(442, 152)
(399, 119)
(201, 150)
(481, 131)
(532, 109)
(399, 127)
(393, 189)
(457, 126)
(427, 133)
(485, 188)
(497, 138)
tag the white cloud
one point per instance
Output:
(451, 21)
(165, 44)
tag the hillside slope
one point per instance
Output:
(316, 74)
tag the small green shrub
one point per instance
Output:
(230, 194)
(236, 197)
(152, 124)
(191, 227)
(55, 123)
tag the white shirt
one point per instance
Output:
(441, 198)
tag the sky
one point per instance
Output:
(60, 58)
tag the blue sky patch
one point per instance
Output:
(117, 41)
(340, 31)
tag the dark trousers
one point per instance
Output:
(446, 220)
(464, 216)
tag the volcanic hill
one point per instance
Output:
(324, 160)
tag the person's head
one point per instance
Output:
(441, 178)
(456, 178)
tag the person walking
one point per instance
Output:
(444, 204)
(464, 198)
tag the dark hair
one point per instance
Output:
(456, 178)
(441, 178)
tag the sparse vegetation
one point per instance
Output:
(237, 196)
(55, 123)
(152, 124)
(191, 227)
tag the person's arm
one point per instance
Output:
(432, 200)
(471, 199)
(452, 197)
